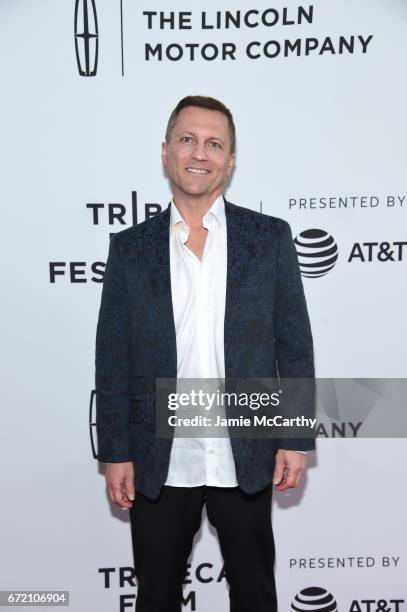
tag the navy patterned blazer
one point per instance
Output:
(266, 327)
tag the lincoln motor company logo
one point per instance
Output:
(86, 37)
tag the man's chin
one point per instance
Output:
(196, 191)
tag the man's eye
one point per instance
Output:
(186, 139)
(215, 145)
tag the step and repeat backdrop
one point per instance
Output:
(318, 93)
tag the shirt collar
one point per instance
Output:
(216, 212)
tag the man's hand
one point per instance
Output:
(289, 469)
(120, 483)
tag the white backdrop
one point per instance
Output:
(322, 125)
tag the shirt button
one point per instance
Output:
(211, 451)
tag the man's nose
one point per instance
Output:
(199, 151)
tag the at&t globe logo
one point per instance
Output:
(317, 252)
(314, 599)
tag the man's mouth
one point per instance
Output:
(197, 170)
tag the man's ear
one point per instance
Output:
(231, 163)
(164, 153)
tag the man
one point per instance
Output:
(205, 289)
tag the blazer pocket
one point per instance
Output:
(257, 286)
(138, 384)
(137, 409)
(255, 281)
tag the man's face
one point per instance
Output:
(197, 156)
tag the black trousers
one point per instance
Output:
(163, 531)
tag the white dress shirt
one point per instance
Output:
(198, 295)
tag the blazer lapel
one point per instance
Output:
(158, 261)
(241, 248)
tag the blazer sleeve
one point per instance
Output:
(112, 363)
(293, 337)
